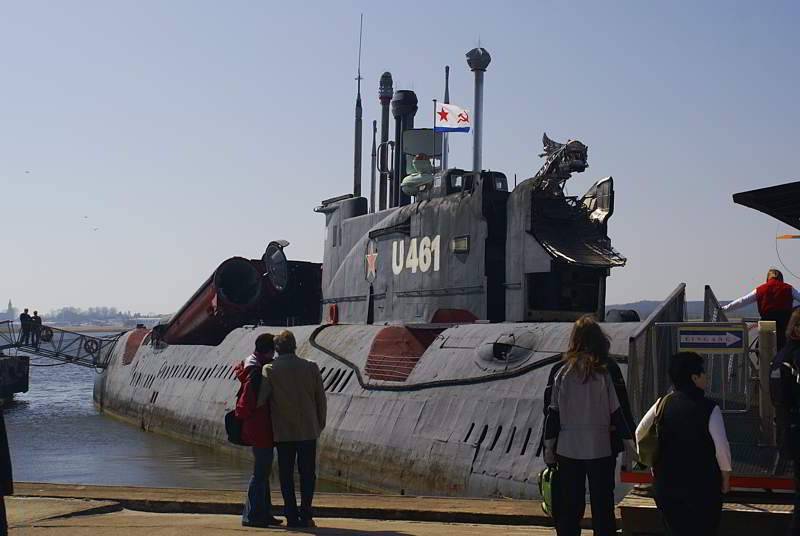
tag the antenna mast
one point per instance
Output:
(357, 149)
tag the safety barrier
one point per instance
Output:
(647, 375)
(59, 344)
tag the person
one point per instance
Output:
(256, 432)
(297, 401)
(617, 378)
(774, 299)
(157, 336)
(583, 410)
(36, 329)
(25, 327)
(786, 397)
(693, 467)
(6, 479)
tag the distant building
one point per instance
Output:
(146, 321)
(9, 314)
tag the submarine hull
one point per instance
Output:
(455, 415)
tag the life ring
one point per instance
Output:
(91, 346)
(46, 335)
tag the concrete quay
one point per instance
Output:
(55, 509)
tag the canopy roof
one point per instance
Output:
(782, 202)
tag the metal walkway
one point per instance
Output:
(734, 382)
(59, 345)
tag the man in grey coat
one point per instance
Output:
(296, 396)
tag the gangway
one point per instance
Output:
(738, 381)
(737, 354)
(60, 345)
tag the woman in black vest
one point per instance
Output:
(694, 459)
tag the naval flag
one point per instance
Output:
(450, 118)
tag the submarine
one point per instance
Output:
(434, 316)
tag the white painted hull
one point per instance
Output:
(476, 439)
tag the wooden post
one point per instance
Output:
(766, 352)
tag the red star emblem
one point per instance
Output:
(372, 263)
(442, 114)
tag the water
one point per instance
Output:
(56, 435)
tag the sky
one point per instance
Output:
(144, 142)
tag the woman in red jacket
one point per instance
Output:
(256, 432)
(774, 299)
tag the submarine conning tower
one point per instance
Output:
(465, 248)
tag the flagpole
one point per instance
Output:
(445, 135)
(433, 155)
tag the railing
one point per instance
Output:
(735, 381)
(712, 311)
(59, 344)
(647, 374)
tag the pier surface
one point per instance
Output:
(55, 509)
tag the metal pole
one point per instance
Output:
(398, 162)
(372, 168)
(766, 352)
(357, 151)
(477, 141)
(445, 138)
(478, 60)
(433, 135)
(358, 148)
(385, 92)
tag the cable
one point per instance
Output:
(778, 253)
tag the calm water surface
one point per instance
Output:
(57, 435)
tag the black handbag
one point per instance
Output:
(233, 427)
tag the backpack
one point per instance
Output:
(648, 445)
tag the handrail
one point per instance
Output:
(643, 370)
(712, 311)
(59, 344)
(651, 319)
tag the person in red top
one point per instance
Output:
(774, 299)
(256, 432)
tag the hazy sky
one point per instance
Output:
(187, 132)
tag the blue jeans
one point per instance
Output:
(258, 506)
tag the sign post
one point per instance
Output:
(726, 344)
(704, 339)
(767, 344)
